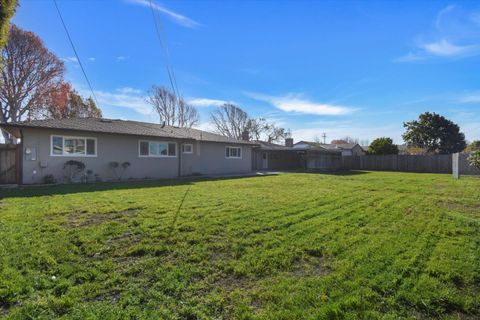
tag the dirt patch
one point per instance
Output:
(456, 206)
(311, 267)
(85, 219)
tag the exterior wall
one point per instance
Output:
(357, 151)
(278, 160)
(207, 157)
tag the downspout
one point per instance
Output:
(180, 159)
(20, 160)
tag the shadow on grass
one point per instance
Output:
(60, 189)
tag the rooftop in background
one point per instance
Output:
(117, 126)
(268, 146)
(341, 146)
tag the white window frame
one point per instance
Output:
(232, 147)
(191, 148)
(73, 155)
(159, 155)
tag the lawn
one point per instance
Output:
(294, 246)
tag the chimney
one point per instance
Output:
(245, 135)
(289, 142)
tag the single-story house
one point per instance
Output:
(271, 156)
(151, 150)
(347, 149)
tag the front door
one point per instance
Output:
(264, 160)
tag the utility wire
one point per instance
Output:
(75, 51)
(165, 52)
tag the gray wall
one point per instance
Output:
(207, 158)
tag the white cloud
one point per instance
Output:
(122, 98)
(204, 102)
(296, 103)
(470, 98)
(445, 48)
(70, 59)
(176, 17)
(455, 33)
(91, 59)
(121, 58)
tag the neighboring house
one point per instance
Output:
(153, 150)
(270, 156)
(347, 149)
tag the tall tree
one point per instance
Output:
(172, 110)
(29, 74)
(382, 146)
(273, 133)
(231, 121)
(67, 103)
(435, 133)
(7, 9)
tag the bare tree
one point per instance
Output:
(187, 114)
(231, 121)
(29, 73)
(275, 134)
(172, 110)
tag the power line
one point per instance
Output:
(75, 51)
(165, 52)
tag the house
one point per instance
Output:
(347, 149)
(271, 156)
(152, 150)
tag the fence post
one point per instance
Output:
(455, 165)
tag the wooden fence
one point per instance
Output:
(460, 165)
(404, 163)
(9, 163)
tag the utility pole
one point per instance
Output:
(324, 136)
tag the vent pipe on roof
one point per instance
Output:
(289, 142)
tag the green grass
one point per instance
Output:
(294, 246)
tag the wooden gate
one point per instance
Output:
(9, 163)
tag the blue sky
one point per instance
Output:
(356, 69)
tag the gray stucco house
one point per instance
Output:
(153, 150)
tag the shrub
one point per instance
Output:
(474, 159)
(474, 146)
(74, 168)
(49, 179)
(382, 146)
(114, 165)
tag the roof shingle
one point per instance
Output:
(126, 127)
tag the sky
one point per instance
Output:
(344, 68)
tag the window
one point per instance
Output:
(233, 152)
(157, 149)
(187, 148)
(73, 146)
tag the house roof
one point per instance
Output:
(272, 146)
(268, 146)
(127, 127)
(341, 146)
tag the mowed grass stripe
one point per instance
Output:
(294, 246)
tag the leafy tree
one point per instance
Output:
(172, 110)
(474, 146)
(382, 146)
(7, 9)
(474, 159)
(435, 133)
(64, 102)
(30, 73)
